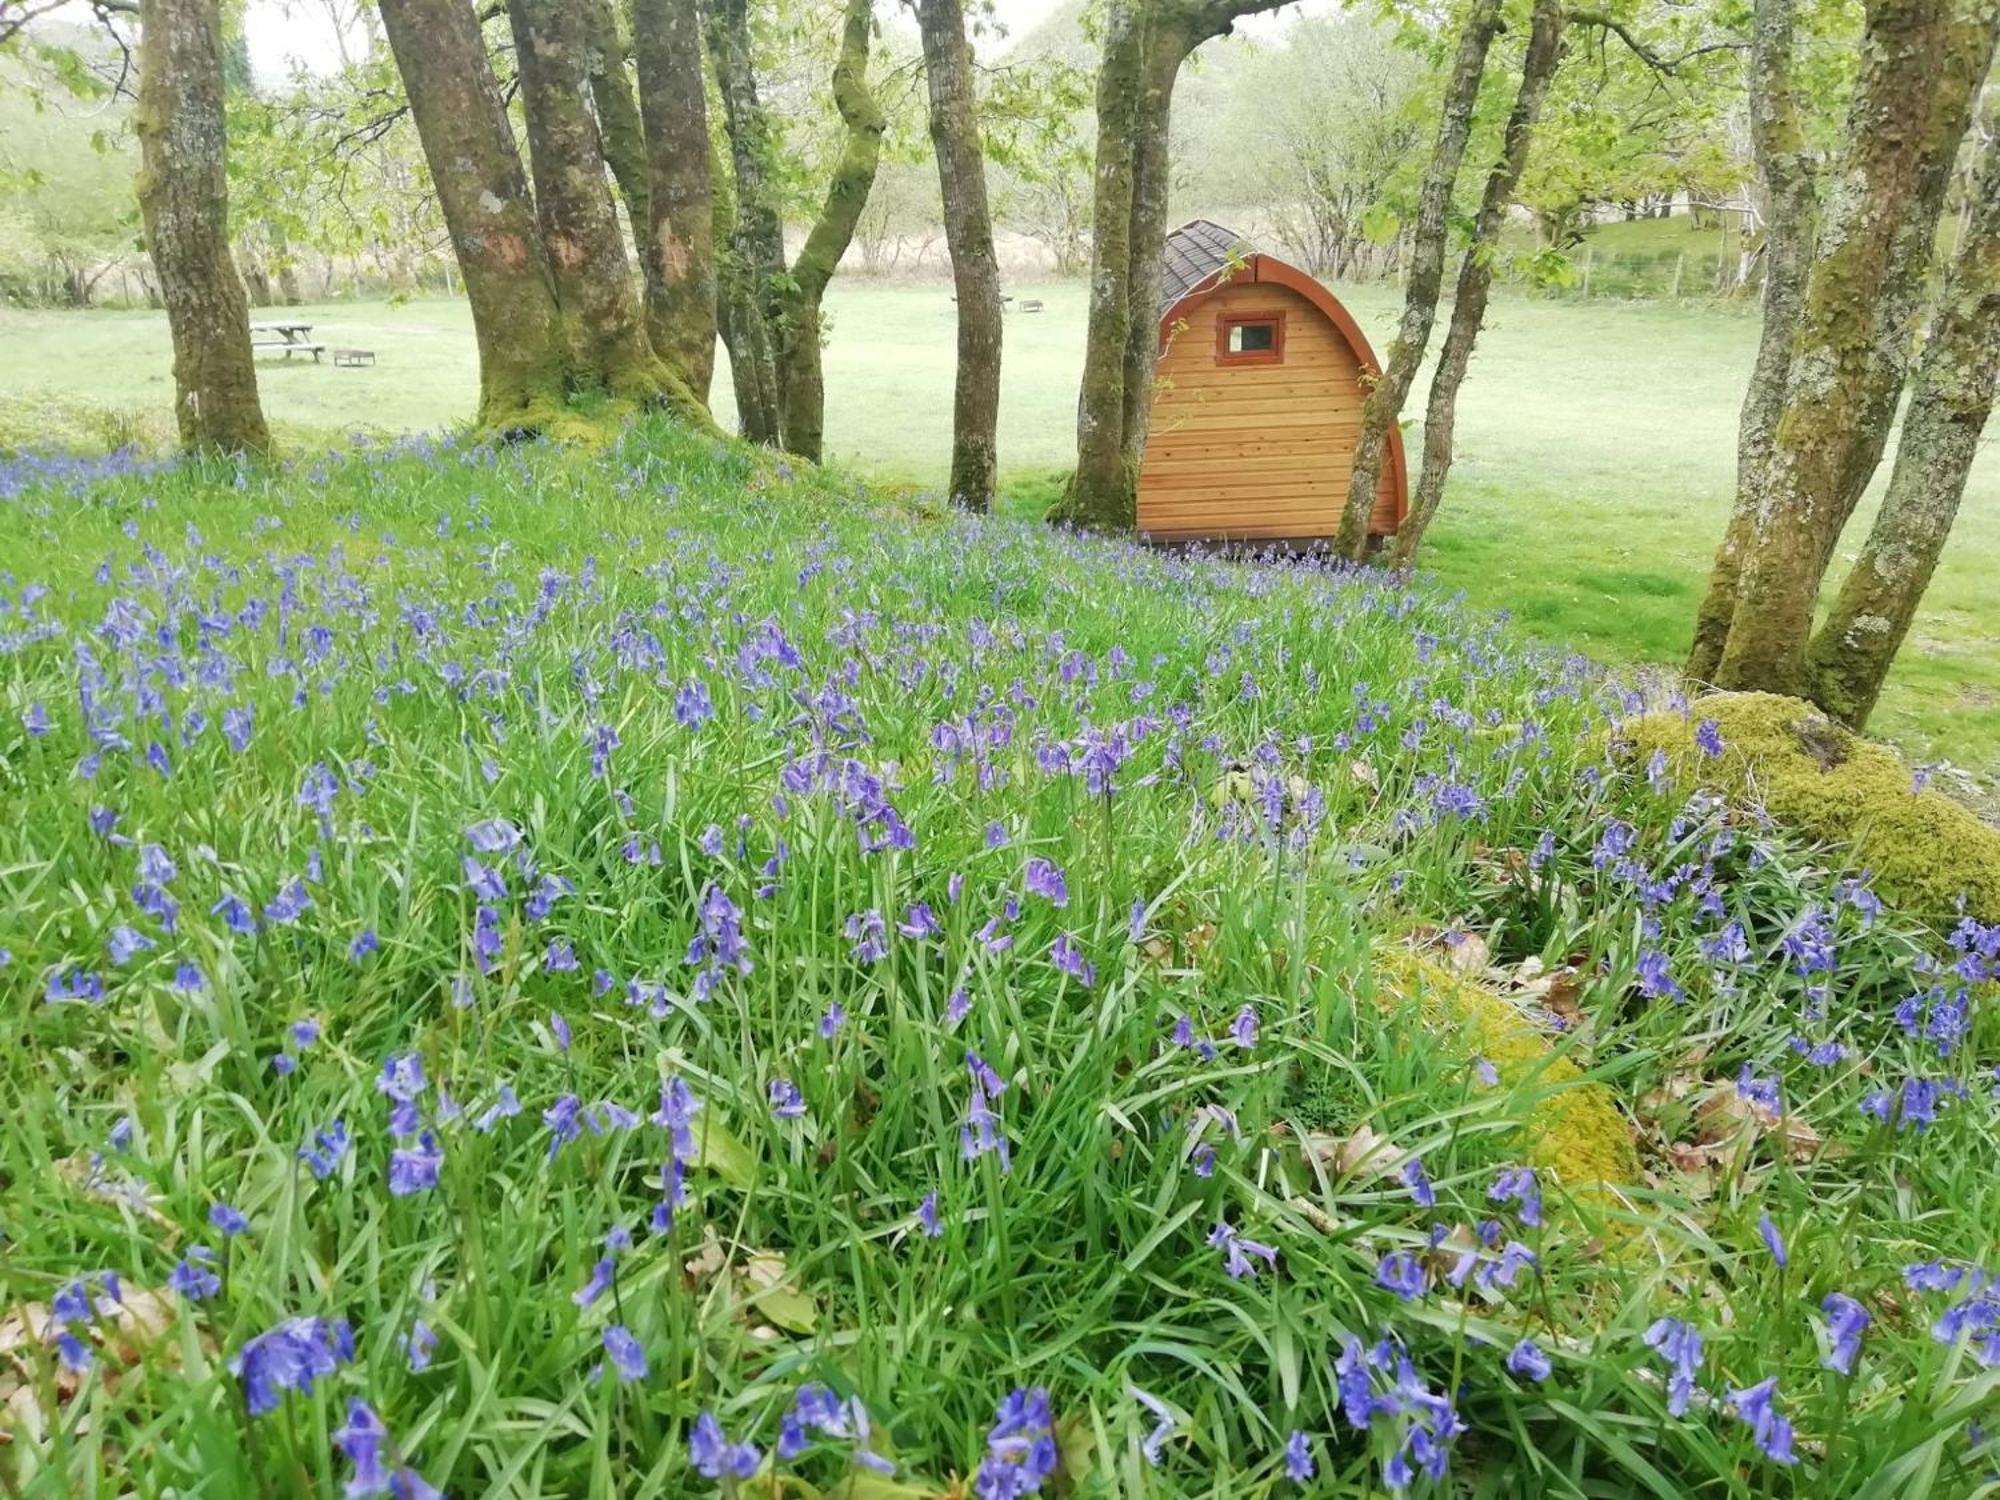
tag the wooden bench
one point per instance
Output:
(1031, 304)
(289, 347)
(354, 358)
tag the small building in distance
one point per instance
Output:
(1257, 408)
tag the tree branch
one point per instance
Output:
(1605, 22)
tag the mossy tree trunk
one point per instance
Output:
(1428, 234)
(673, 105)
(620, 129)
(1777, 136)
(1475, 275)
(756, 252)
(801, 385)
(183, 192)
(461, 120)
(975, 271)
(593, 279)
(1144, 44)
(1921, 61)
(1950, 400)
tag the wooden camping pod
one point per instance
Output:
(1257, 405)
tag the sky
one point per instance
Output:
(284, 34)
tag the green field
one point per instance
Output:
(1595, 461)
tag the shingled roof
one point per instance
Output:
(1196, 251)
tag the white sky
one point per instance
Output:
(286, 33)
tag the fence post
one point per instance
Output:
(1589, 256)
(1679, 261)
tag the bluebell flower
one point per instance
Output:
(365, 942)
(493, 836)
(126, 943)
(787, 1103)
(419, 1345)
(506, 1104)
(415, 1169)
(1238, 1253)
(291, 1357)
(559, 1029)
(602, 1275)
(360, 1440)
(291, 903)
(1021, 1447)
(678, 1107)
(713, 1455)
(192, 1278)
(1680, 1346)
(304, 1033)
(328, 1146)
(830, 1022)
(1773, 1241)
(623, 1350)
(1846, 1321)
(1528, 1361)
(227, 1220)
(1708, 738)
(927, 1215)
(1518, 1185)
(1163, 1426)
(120, 1136)
(1299, 1466)
(1771, 1432)
(1067, 955)
(1418, 1184)
(1044, 878)
(1401, 1272)
(1243, 1030)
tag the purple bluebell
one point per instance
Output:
(1402, 1272)
(1846, 1321)
(1518, 1185)
(714, 1456)
(291, 1357)
(1299, 1466)
(1164, 1423)
(415, 1169)
(419, 1346)
(228, 1221)
(1772, 1433)
(1773, 1240)
(601, 1277)
(327, 1148)
(1419, 1185)
(192, 1278)
(1528, 1361)
(787, 1103)
(1045, 878)
(1677, 1342)
(1239, 1255)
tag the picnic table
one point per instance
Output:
(288, 336)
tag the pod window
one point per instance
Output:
(1250, 339)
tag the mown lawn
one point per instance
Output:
(531, 973)
(1597, 451)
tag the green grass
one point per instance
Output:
(1596, 452)
(668, 700)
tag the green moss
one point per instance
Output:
(1573, 1132)
(1923, 850)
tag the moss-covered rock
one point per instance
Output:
(1819, 779)
(1574, 1132)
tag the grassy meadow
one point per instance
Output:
(535, 973)
(1596, 448)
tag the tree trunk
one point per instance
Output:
(461, 121)
(1425, 277)
(1777, 135)
(1103, 490)
(1144, 44)
(756, 238)
(673, 105)
(975, 271)
(1949, 404)
(619, 127)
(593, 280)
(1475, 275)
(184, 200)
(802, 387)
(1914, 56)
